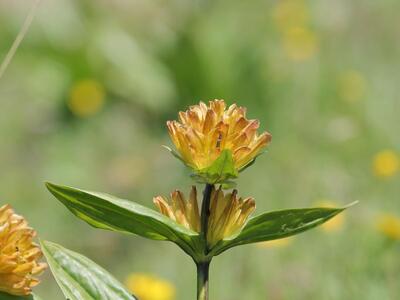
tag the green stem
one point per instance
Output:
(204, 266)
(202, 280)
(205, 212)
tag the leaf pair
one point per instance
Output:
(107, 212)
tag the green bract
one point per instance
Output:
(221, 171)
(80, 278)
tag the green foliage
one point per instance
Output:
(80, 278)
(276, 225)
(110, 213)
(5, 296)
(107, 212)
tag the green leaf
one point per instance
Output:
(110, 213)
(80, 278)
(5, 296)
(276, 225)
(222, 170)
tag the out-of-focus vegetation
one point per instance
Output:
(85, 100)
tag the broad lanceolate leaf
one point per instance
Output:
(222, 169)
(108, 212)
(277, 225)
(80, 278)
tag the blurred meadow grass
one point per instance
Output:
(85, 100)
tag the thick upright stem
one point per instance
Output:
(202, 280)
(203, 267)
(205, 211)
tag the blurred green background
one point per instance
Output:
(85, 101)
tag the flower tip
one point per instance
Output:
(266, 137)
(50, 186)
(252, 201)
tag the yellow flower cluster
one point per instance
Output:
(203, 132)
(18, 254)
(299, 42)
(179, 210)
(148, 287)
(228, 213)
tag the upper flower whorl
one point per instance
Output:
(203, 132)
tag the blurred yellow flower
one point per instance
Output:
(86, 98)
(203, 132)
(228, 213)
(148, 287)
(280, 243)
(389, 226)
(300, 43)
(386, 163)
(351, 85)
(18, 254)
(291, 13)
(334, 224)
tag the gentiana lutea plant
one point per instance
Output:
(217, 143)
